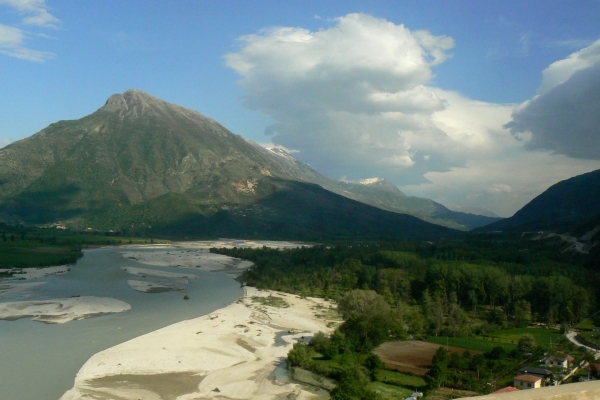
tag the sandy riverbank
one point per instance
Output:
(196, 255)
(233, 353)
(58, 311)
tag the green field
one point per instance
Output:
(400, 379)
(543, 336)
(507, 338)
(390, 392)
(476, 343)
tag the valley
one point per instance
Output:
(114, 249)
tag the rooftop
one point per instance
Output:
(507, 389)
(527, 378)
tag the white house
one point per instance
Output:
(527, 382)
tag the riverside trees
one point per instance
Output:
(428, 293)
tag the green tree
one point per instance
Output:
(300, 355)
(372, 363)
(354, 385)
(526, 344)
(368, 319)
(522, 313)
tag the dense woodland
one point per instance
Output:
(460, 288)
(433, 285)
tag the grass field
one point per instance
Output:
(400, 379)
(508, 338)
(472, 343)
(543, 336)
(390, 392)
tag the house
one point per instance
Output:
(539, 372)
(594, 368)
(527, 381)
(506, 390)
(559, 360)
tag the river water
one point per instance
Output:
(39, 361)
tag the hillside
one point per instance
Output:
(380, 193)
(561, 207)
(142, 165)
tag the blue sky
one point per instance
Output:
(437, 130)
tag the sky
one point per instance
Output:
(483, 103)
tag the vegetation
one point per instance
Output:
(272, 301)
(480, 293)
(592, 338)
(22, 246)
(464, 287)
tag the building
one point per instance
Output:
(559, 360)
(527, 381)
(507, 389)
(539, 372)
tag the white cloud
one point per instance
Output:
(564, 117)
(560, 71)
(504, 183)
(12, 44)
(12, 39)
(35, 12)
(352, 94)
(355, 100)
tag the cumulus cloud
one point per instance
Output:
(353, 94)
(564, 116)
(13, 39)
(355, 100)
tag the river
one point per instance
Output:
(39, 361)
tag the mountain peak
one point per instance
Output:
(135, 103)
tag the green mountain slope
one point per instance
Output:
(142, 164)
(564, 205)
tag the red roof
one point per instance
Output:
(506, 390)
(597, 366)
(527, 378)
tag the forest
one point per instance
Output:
(466, 288)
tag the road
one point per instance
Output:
(571, 336)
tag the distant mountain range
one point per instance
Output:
(567, 205)
(140, 164)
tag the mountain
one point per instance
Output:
(474, 210)
(142, 165)
(381, 193)
(565, 205)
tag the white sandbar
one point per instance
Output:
(58, 311)
(151, 287)
(143, 272)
